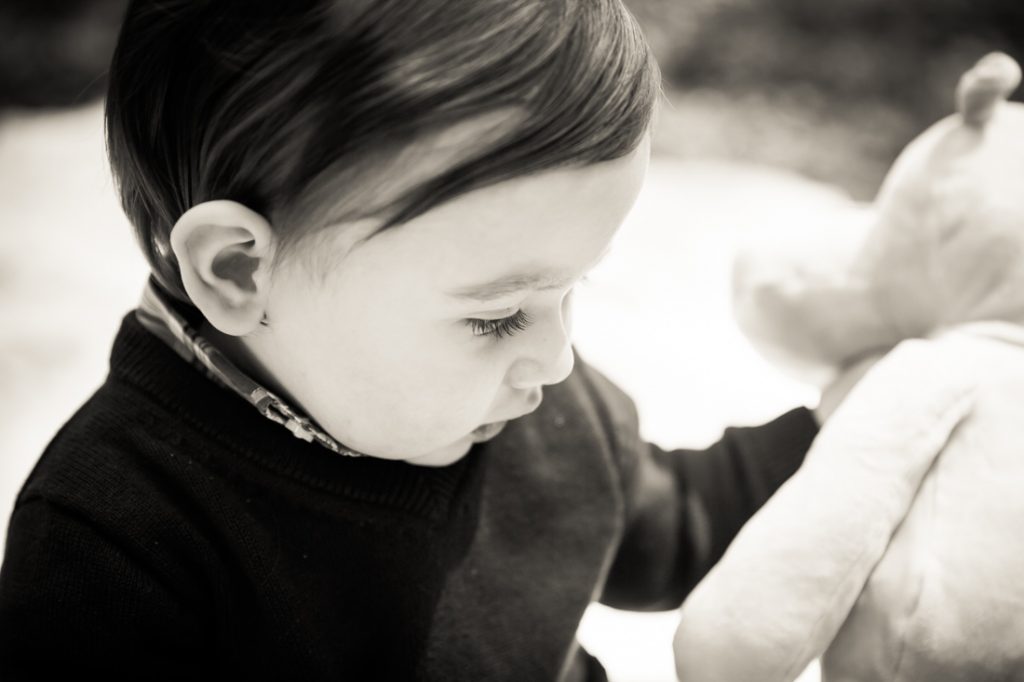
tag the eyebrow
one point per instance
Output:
(540, 280)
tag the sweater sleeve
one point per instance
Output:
(684, 506)
(74, 602)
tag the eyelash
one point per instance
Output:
(506, 326)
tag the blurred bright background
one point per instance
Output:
(785, 115)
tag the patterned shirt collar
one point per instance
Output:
(158, 313)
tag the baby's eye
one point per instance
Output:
(506, 326)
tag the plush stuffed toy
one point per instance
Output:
(896, 552)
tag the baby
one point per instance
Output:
(345, 435)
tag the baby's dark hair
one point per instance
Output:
(291, 106)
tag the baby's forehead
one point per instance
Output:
(539, 226)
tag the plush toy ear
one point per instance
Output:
(983, 87)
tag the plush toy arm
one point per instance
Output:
(787, 582)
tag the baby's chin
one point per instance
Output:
(455, 451)
(444, 456)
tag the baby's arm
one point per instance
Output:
(684, 506)
(73, 601)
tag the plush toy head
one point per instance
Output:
(946, 245)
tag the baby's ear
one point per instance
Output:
(224, 252)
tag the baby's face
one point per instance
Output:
(389, 351)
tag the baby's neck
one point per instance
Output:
(241, 356)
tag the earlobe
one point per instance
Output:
(224, 252)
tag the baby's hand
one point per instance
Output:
(776, 599)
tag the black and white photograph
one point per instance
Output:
(514, 340)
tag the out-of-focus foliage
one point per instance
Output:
(55, 52)
(833, 88)
(902, 49)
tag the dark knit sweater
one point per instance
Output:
(170, 531)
